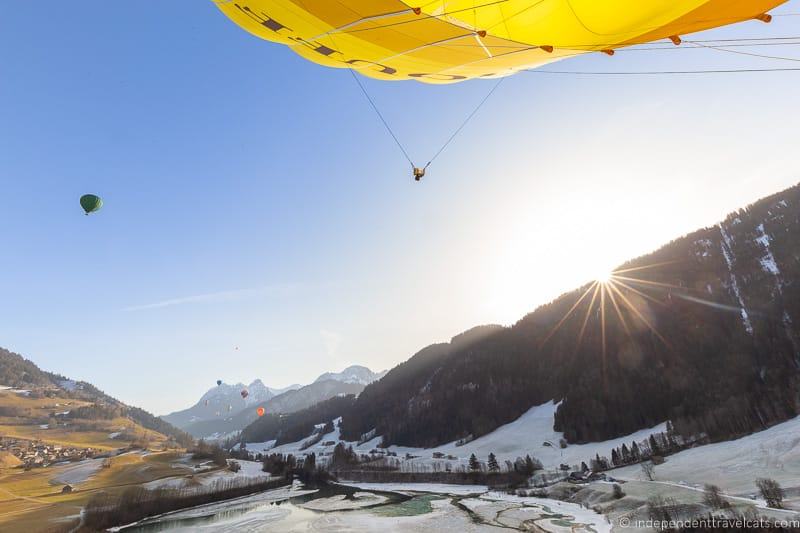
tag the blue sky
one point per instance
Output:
(252, 199)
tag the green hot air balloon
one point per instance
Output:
(91, 203)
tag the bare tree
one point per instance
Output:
(713, 497)
(771, 491)
(649, 470)
(661, 511)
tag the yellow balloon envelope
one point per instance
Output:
(446, 41)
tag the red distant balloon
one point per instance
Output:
(260, 411)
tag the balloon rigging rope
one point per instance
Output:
(659, 72)
(449, 140)
(739, 52)
(466, 121)
(380, 116)
(425, 17)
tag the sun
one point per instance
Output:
(604, 276)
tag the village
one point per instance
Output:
(38, 454)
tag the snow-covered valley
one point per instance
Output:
(734, 465)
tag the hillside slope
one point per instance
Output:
(40, 405)
(703, 332)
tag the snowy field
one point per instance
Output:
(532, 433)
(77, 473)
(734, 465)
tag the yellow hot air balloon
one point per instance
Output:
(446, 41)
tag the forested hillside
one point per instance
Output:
(703, 332)
(296, 426)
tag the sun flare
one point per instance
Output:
(604, 276)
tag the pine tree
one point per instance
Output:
(626, 455)
(532, 465)
(474, 465)
(635, 453)
(655, 449)
(615, 457)
(493, 466)
(310, 462)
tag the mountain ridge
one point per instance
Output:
(353, 374)
(221, 411)
(702, 332)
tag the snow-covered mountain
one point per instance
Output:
(353, 374)
(224, 401)
(222, 410)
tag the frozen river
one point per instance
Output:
(344, 508)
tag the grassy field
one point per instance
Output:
(31, 419)
(98, 438)
(32, 501)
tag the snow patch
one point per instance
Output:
(727, 251)
(68, 385)
(767, 261)
(78, 472)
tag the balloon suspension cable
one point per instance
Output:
(464, 124)
(449, 140)
(380, 116)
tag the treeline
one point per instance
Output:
(155, 423)
(676, 347)
(203, 451)
(304, 468)
(105, 510)
(655, 447)
(345, 463)
(95, 412)
(16, 371)
(87, 391)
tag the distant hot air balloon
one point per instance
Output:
(219, 382)
(91, 203)
(245, 393)
(260, 411)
